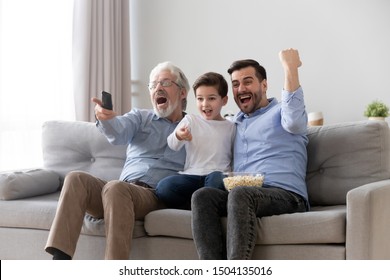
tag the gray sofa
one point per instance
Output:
(348, 180)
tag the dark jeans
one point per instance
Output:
(176, 191)
(242, 206)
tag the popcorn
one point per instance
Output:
(247, 180)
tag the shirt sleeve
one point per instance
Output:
(121, 129)
(174, 143)
(293, 112)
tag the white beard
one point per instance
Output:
(164, 113)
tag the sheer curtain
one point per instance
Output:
(101, 54)
(35, 76)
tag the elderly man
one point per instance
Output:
(149, 159)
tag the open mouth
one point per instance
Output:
(161, 100)
(245, 98)
(207, 112)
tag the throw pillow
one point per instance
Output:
(22, 184)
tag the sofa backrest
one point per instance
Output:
(341, 157)
(344, 156)
(70, 145)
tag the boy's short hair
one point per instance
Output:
(212, 79)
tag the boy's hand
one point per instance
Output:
(184, 133)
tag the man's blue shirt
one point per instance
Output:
(149, 159)
(273, 140)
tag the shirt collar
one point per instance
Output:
(155, 117)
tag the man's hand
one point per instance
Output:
(101, 113)
(184, 133)
(290, 62)
(290, 58)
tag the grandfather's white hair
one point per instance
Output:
(181, 78)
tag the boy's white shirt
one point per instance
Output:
(211, 147)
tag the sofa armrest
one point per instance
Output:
(368, 221)
(28, 183)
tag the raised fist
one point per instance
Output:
(290, 58)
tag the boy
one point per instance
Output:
(208, 140)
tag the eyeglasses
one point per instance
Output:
(163, 83)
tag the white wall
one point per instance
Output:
(344, 46)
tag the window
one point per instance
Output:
(35, 76)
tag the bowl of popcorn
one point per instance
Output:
(242, 179)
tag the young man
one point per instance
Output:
(208, 140)
(270, 139)
(149, 159)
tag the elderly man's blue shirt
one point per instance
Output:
(149, 159)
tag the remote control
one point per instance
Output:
(107, 100)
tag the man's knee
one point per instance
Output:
(203, 195)
(76, 181)
(76, 176)
(241, 195)
(113, 189)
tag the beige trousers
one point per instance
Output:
(119, 203)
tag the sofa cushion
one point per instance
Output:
(321, 225)
(94, 226)
(344, 156)
(21, 184)
(169, 222)
(76, 145)
(35, 212)
(38, 213)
